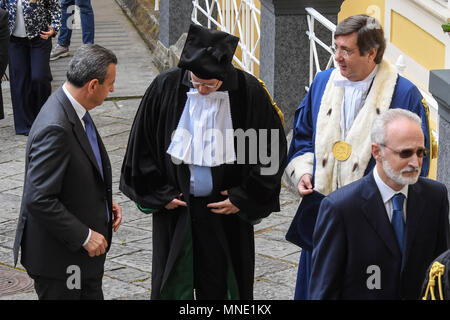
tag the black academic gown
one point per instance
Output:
(151, 179)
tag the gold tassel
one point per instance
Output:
(437, 270)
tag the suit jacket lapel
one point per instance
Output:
(78, 129)
(375, 212)
(414, 210)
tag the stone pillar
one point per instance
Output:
(439, 86)
(174, 20)
(284, 54)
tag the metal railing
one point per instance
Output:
(240, 18)
(314, 15)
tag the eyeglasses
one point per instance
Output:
(345, 52)
(209, 86)
(407, 153)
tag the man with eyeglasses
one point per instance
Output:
(185, 165)
(375, 238)
(330, 146)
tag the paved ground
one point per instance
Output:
(128, 266)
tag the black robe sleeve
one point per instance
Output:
(143, 175)
(258, 194)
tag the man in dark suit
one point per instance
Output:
(4, 52)
(375, 238)
(67, 213)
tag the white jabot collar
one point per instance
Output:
(204, 135)
(362, 85)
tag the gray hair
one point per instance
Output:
(378, 132)
(89, 62)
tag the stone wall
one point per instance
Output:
(146, 21)
(144, 17)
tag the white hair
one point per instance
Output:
(378, 132)
(373, 23)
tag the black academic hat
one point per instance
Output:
(208, 53)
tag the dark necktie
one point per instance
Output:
(92, 136)
(397, 220)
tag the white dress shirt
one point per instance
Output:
(387, 193)
(81, 111)
(355, 94)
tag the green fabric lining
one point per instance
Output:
(146, 210)
(233, 289)
(180, 283)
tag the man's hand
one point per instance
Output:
(223, 207)
(116, 216)
(96, 245)
(175, 203)
(305, 186)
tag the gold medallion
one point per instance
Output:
(342, 150)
